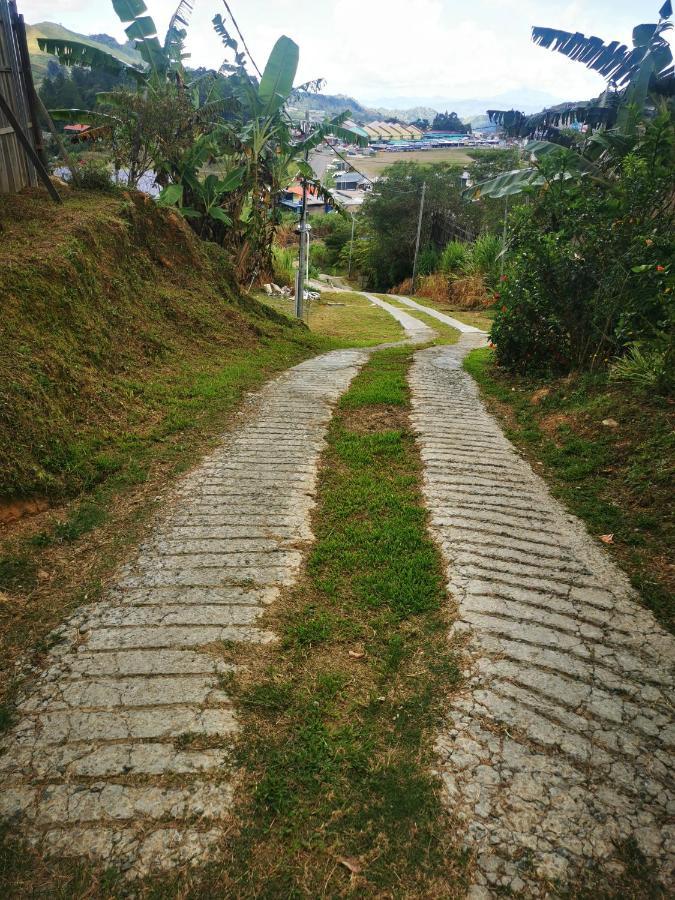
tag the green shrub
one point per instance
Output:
(283, 265)
(590, 266)
(92, 175)
(428, 261)
(320, 257)
(454, 257)
(485, 258)
(648, 367)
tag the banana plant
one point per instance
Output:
(162, 59)
(638, 80)
(256, 142)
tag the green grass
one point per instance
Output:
(345, 317)
(618, 480)
(374, 165)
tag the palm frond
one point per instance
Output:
(615, 61)
(176, 32)
(74, 53)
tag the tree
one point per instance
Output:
(450, 122)
(390, 216)
(163, 60)
(422, 124)
(640, 81)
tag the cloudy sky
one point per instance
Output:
(374, 49)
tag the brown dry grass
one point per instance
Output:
(468, 292)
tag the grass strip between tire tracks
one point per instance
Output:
(337, 727)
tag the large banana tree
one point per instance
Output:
(253, 158)
(639, 81)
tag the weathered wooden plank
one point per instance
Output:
(17, 169)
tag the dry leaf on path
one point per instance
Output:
(607, 538)
(350, 863)
(356, 654)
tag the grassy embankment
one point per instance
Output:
(125, 353)
(607, 452)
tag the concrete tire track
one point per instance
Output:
(560, 745)
(98, 764)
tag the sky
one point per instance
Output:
(378, 49)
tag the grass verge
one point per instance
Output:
(346, 317)
(607, 452)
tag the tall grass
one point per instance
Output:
(283, 268)
(486, 259)
(454, 257)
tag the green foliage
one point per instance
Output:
(428, 260)
(283, 265)
(390, 215)
(92, 174)
(77, 88)
(221, 148)
(485, 258)
(648, 367)
(590, 262)
(454, 257)
(450, 122)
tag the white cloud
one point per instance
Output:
(375, 48)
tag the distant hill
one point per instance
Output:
(528, 100)
(334, 104)
(39, 60)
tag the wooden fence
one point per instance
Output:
(17, 105)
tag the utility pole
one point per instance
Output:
(351, 248)
(303, 229)
(506, 219)
(419, 234)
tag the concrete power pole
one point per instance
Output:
(303, 229)
(419, 234)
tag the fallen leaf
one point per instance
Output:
(355, 654)
(350, 863)
(610, 423)
(42, 575)
(607, 538)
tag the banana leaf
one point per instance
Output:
(276, 83)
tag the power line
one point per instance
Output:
(241, 37)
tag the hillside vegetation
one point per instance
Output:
(114, 314)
